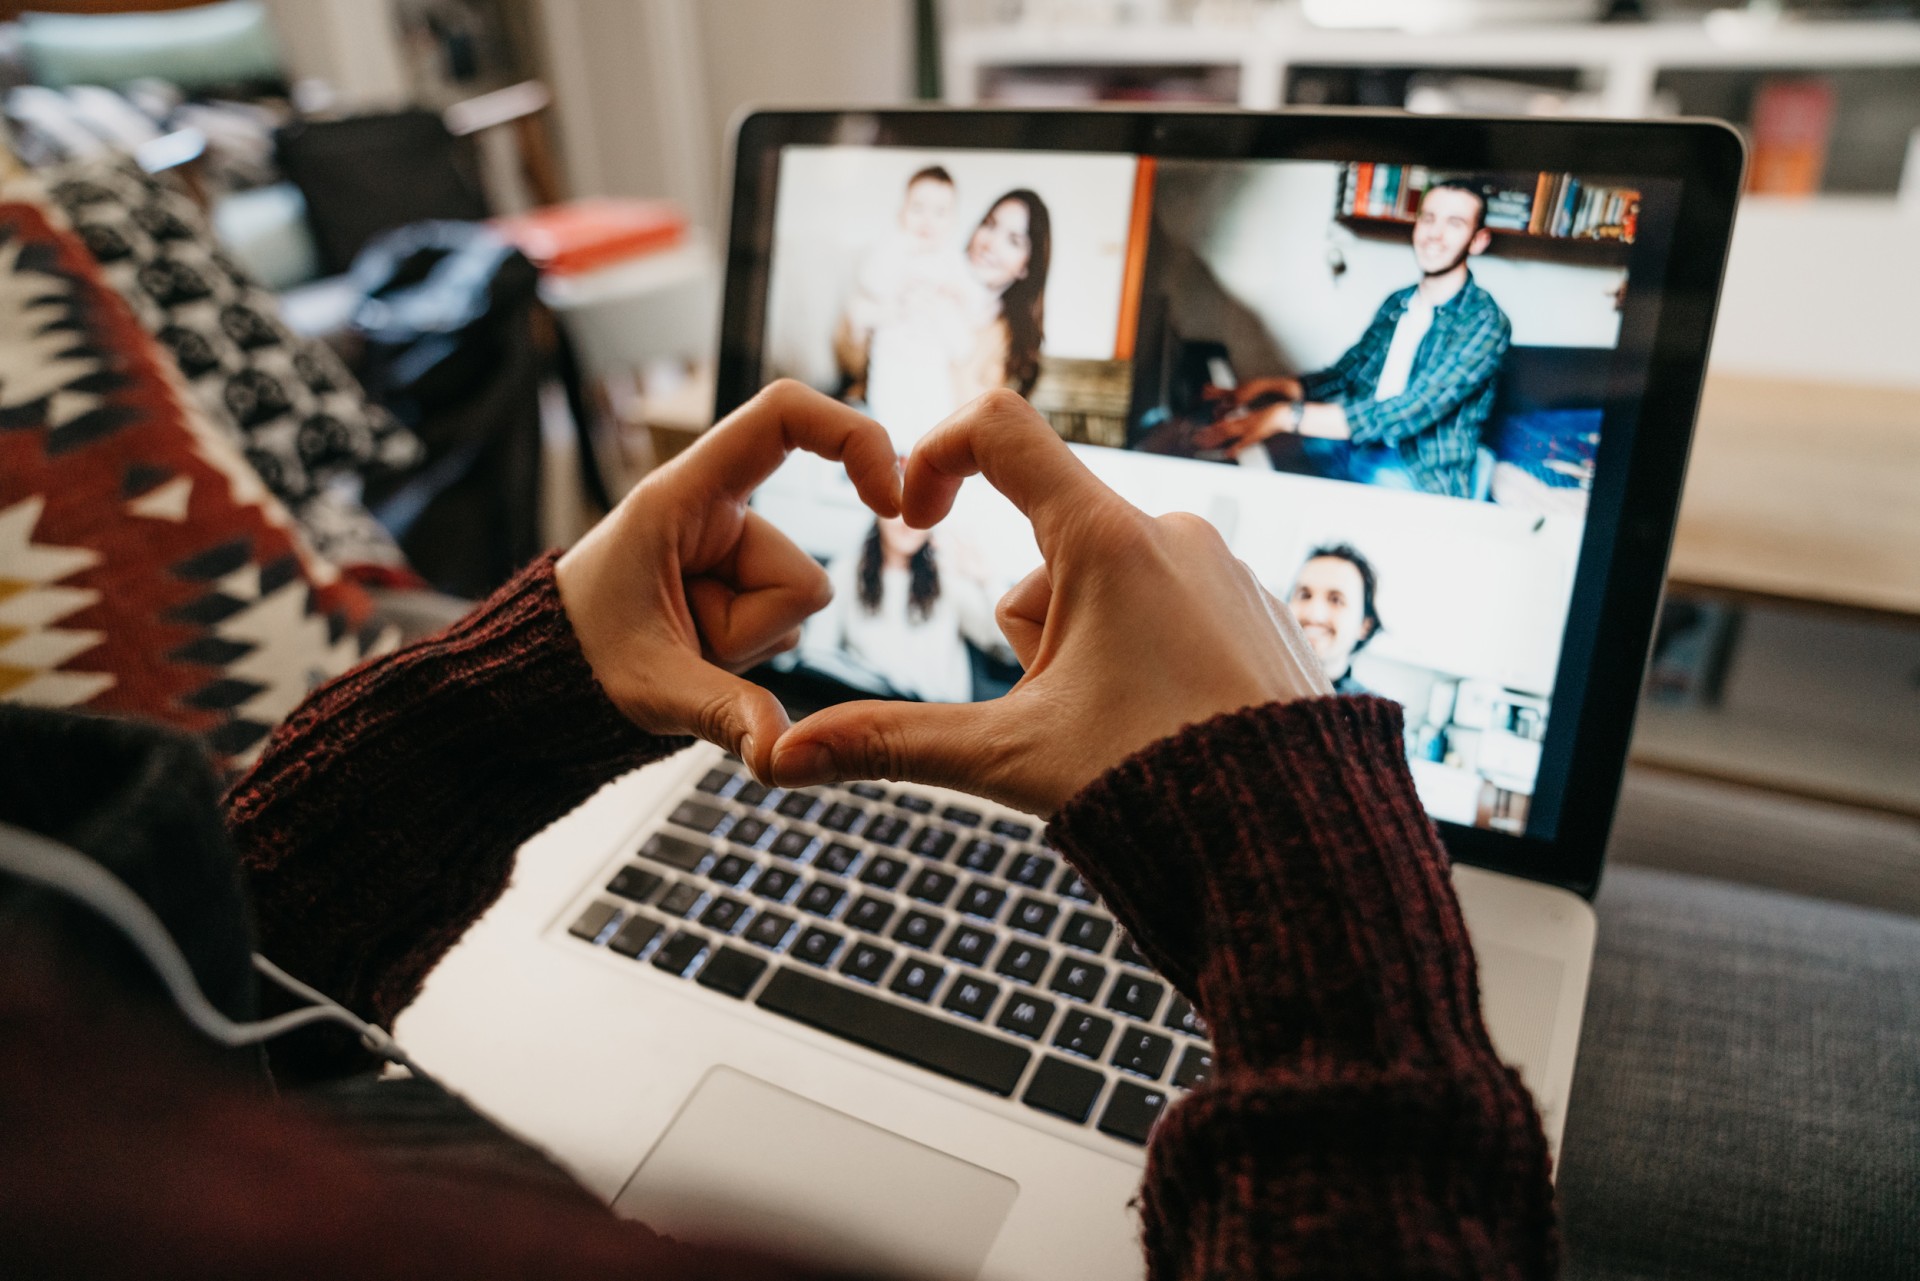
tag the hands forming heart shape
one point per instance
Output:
(1133, 627)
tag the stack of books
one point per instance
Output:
(1566, 207)
(1383, 191)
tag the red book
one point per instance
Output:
(1362, 180)
(584, 235)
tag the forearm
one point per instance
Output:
(1278, 867)
(384, 815)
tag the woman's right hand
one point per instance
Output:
(1134, 627)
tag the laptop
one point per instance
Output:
(840, 1020)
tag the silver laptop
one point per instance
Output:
(885, 1024)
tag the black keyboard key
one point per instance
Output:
(982, 856)
(885, 829)
(635, 883)
(837, 858)
(1182, 1017)
(1064, 1089)
(869, 913)
(1031, 916)
(917, 980)
(969, 945)
(963, 817)
(867, 962)
(840, 817)
(1087, 931)
(1196, 1067)
(679, 900)
(821, 898)
(776, 883)
(817, 946)
(696, 817)
(884, 872)
(1078, 979)
(715, 781)
(748, 831)
(869, 791)
(927, 1040)
(1032, 871)
(732, 971)
(752, 793)
(982, 900)
(932, 887)
(1131, 1111)
(932, 843)
(1074, 886)
(673, 851)
(731, 869)
(723, 914)
(1083, 1034)
(1138, 997)
(792, 843)
(770, 929)
(1127, 954)
(598, 916)
(679, 952)
(971, 996)
(1010, 829)
(633, 936)
(1142, 1053)
(913, 802)
(1023, 961)
(919, 929)
(800, 805)
(1026, 1016)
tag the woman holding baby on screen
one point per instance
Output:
(929, 324)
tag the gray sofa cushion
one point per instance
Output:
(1747, 1098)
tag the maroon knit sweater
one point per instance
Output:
(1274, 863)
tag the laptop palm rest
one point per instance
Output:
(746, 1161)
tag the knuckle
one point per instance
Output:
(713, 719)
(1005, 403)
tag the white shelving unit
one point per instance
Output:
(1620, 62)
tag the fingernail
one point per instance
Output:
(803, 765)
(746, 749)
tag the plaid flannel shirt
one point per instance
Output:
(1435, 423)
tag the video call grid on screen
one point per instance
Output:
(1154, 311)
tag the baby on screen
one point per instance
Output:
(920, 309)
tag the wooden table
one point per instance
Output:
(1804, 492)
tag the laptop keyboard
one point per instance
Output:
(946, 936)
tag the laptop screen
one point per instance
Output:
(1389, 385)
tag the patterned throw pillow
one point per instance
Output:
(144, 568)
(300, 416)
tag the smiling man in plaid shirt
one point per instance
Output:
(1404, 406)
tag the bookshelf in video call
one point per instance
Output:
(1553, 216)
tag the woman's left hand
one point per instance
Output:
(682, 586)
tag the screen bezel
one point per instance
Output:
(1630, 531)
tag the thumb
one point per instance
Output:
(724, 709)
(948, 744)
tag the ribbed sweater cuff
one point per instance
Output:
(1276, 864)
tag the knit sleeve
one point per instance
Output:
(383, 817)
(1276, 864)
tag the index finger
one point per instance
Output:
(748, 445)
(1003, 438)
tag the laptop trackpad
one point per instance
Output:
(748, 1162)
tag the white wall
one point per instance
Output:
(353, 45)
(1267, 233)
(646, 88)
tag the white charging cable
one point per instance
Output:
(33, 857)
